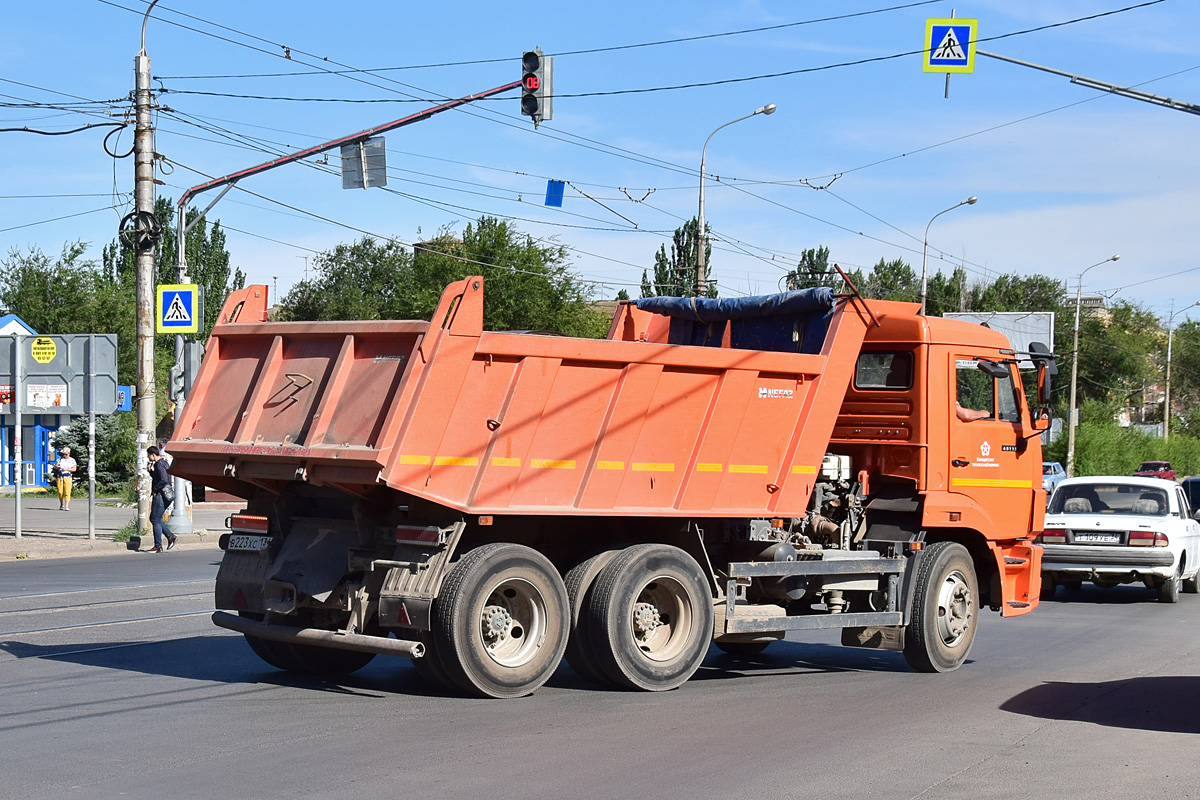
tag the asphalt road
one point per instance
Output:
(114, 683)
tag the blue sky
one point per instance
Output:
(1066, 176)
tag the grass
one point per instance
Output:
(126, 531)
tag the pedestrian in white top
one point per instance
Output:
(64, 475)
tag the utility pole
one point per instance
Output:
(145, 232)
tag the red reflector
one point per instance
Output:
(249, 523)
(411, 534)
(1055, 537)
(1147, 539)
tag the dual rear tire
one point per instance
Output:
(639, 618)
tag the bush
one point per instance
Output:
(1108, 449)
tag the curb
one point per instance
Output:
(25, 550)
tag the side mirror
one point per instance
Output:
(1046, 369)
(993, 369)
(1041, 419)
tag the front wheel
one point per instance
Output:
(501, 621)
(651, 617)
(945, 609)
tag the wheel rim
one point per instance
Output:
(661, 619)
(955, 610)
(512, 623)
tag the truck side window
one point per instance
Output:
(884, 371)
(1006, 400)
(974, 388)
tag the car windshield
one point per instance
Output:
(1151, 466)
(1109, 498)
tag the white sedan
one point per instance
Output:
(1112, 530)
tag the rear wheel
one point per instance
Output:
(580, 653)
(651, 617)
(501, 621)
(265, 649)
(1192, 585)
(1168, 589)
(944, 609)
(429, 666)
(323, 662)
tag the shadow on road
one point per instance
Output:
(1166, 703)
(1124, 594)
(228, 659)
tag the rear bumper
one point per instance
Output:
(1091, 559)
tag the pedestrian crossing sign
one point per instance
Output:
(950, 45)
(177, 308)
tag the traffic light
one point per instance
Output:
(176, 381)
(193, 351)
(537, 85)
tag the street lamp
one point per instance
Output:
(1075, 367)
(1167, 396)
(970, 201)
(701, 276)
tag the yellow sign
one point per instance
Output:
(43, 349)
(950, 45)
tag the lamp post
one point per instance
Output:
(701, 275)
(1167, 395)
(970, 201)
(1075, 367)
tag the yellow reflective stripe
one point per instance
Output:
(497, 461)
(652, 466)
(610, 465)
(455, 461)
(552, 463)
(749, 469)
(992, 483)
(415, 459)
(709, 467)
(804, 470)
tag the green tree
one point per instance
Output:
(530, 286)
(892, 280)
(813, 270)
(675, 271)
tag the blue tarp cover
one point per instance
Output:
(787, 322)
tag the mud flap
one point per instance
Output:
(886, 638)
(313, 558)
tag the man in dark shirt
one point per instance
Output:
(160, 481)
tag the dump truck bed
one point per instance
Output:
(512, 423)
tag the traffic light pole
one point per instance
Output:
(232, 178)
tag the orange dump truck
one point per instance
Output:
(715, 471)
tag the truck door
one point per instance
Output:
(986, 448)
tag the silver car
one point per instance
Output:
(1113, 530)
(1052, 474)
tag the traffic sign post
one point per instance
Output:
(178, 308)
(950, 45)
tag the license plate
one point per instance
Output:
(1099, 538)
(254, 544)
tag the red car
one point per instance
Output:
(1156, 469)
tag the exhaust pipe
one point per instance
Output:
(319, 638)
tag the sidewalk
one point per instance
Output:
(50, 533)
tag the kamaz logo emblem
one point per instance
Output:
(985, 449)
(764, 392)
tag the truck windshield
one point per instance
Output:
(1109, 498)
